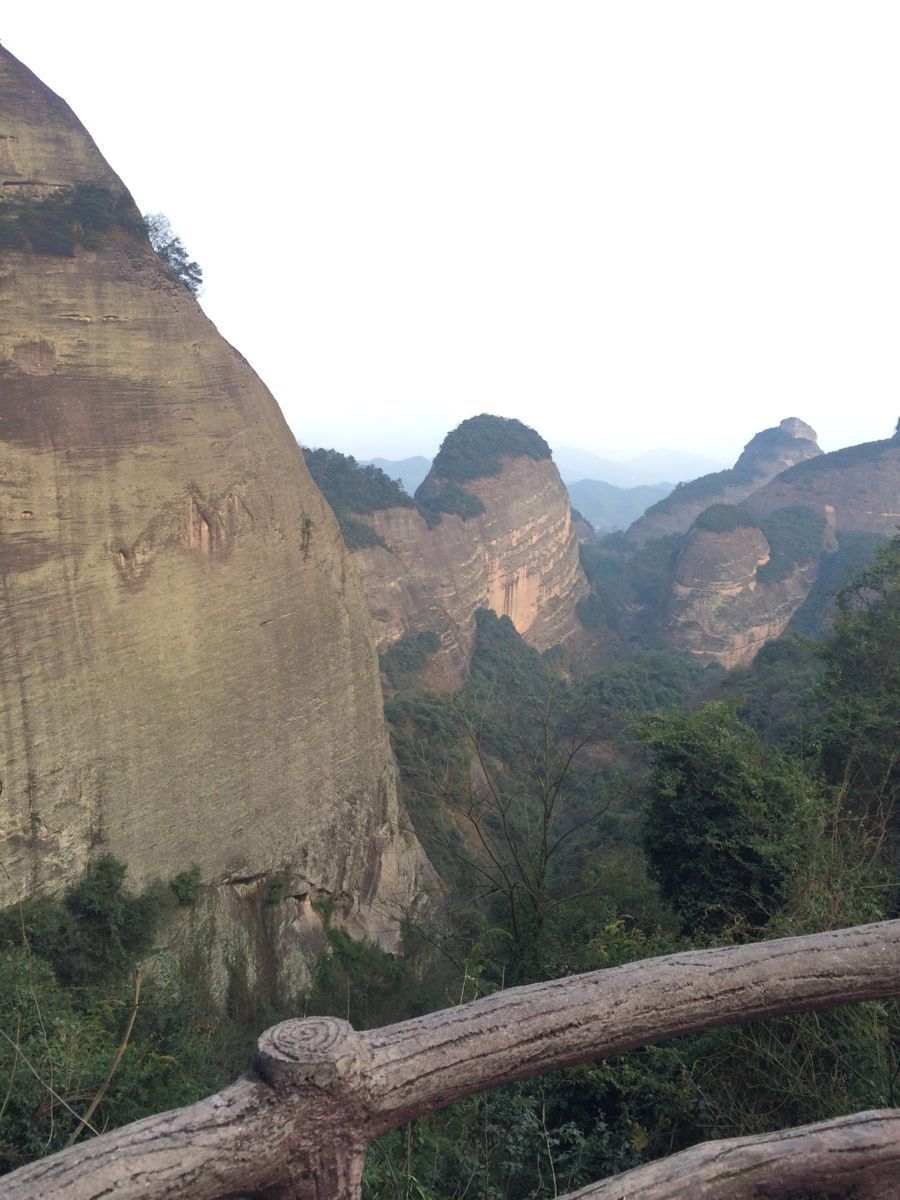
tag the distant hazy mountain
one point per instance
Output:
(410, 471)
(608, 507)
(575, 465)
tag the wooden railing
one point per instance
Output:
(298, 1124)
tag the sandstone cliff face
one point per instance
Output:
(765, 456)
(187, 673)
(718, 608)
(519, 558)
(857, 488)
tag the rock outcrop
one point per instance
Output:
(736, 588)
(720, 609)
(857, 488)
(517, 554)
(765, 456)
(188, 674)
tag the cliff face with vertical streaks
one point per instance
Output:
(518, 557)
(187, 672)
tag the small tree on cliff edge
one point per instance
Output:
(170, 249)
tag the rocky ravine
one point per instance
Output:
(766, 455)
(519, 558)
(188, 674)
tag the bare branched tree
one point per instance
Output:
(508, 808)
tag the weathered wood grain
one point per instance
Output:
(855, 1156)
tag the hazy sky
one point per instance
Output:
(631, 224)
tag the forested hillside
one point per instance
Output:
(576, 824)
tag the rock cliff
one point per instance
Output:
(724, 605)
(516, 554)
(857, 488)
(735, 588)
(765, 456)
(187, 671)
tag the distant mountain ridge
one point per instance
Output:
(648, 469)
(608, 507)
(651, 469)
(410, 471)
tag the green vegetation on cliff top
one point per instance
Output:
(795, 534)
(477, 446)
(350, 488)
(409, 654)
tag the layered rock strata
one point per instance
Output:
(518, 558)
(187, 671)
(718, 609)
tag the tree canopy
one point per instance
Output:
(475, 447)
(171, 250)
(862, 683)
(722, 820)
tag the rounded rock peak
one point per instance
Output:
(44, 145)
(798, 429)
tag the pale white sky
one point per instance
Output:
(632, 224)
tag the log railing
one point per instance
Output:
(298, 1124)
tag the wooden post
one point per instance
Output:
(316, 1068)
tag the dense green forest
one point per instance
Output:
(350, 488)
(475, 448)
(576, 823)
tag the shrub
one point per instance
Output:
(723, 825)
(359, 534)
(724, 518)
(95, 933)
(66, 218)
(186, 885)
(350, 488)
(408, 655)
(451, 499)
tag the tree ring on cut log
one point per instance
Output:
(324, 1052)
